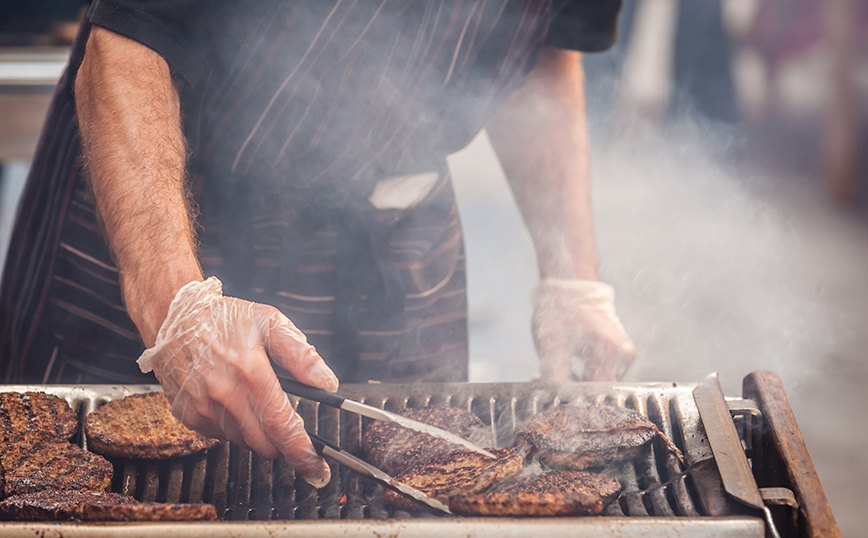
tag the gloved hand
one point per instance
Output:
(210, 357)
(578, 335)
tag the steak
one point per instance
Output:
(394, 448)
(34, 461)
(142, 426)
(36, 411)
(551, 493)
(454, 473)
(576, 437)
(51, 505)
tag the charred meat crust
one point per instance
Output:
(525, 504)
(36, 411)
(53, 505)
(454, 473)
(145, 512)
(552, 493)
(575, 437)
(142, 426)
(394, 448)
(35, 461)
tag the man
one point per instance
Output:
(312, 137)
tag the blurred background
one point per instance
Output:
(729, 198)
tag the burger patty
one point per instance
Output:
(552, 493)
(52, 505)
(35, 460)
(454, 473)
(395, 449)
(142, 426)
(36, 411)
(575, 437)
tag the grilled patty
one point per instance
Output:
(36, 411)
(142, 426)
(51, 505)
(574, 437)
(395, 449)
(552, 493)
(34, 461)
(455, 473)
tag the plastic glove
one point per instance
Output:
(578, 335)
(210, 358)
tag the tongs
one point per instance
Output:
(327, 449)
(337, 401)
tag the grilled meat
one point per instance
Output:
(35, 461)
(454, 473)
(575, 437)
(394, 448)
(52, 505)
(145, 512)
(552, 493)
(36, 411)
(142, 426)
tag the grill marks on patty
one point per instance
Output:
(576, 437)
(454, 473)
(53, 505)
(551, 493)
(142, 426)
(35, 453)
(36, 411)
(97, 506)
(35, 461)
(395, 449)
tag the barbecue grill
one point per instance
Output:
(706, 497)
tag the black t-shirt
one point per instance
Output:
(308, 93)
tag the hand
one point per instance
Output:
(210, 357)
(578, 335)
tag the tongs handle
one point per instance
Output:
(311, 393)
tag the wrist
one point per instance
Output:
(147, 298)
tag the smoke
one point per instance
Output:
(711, 273)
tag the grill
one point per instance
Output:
(255, 496)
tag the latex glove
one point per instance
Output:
(210, 357)
(578, 335)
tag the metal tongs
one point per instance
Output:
(330, 450)
(339, 402)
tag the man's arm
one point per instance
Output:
(541, 141)
(130, 121)
(210, 353)
(540, 137)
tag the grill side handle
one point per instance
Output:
(785, 449)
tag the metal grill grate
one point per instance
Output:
(245, 487)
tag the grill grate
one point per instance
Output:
(245, 487)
